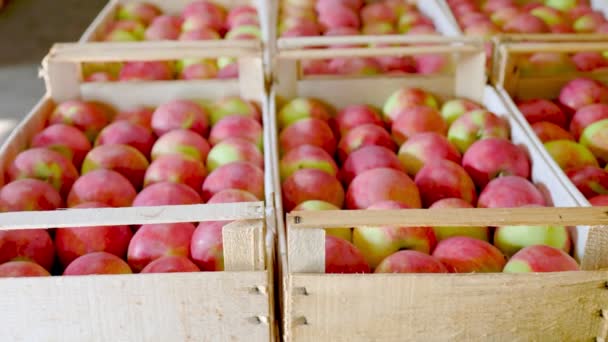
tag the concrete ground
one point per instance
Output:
(28, 28)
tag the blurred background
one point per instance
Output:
(28, 28)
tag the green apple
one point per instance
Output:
(569, 154)
(315, 205)
(302, 108)
(510, 239)
(233, 150)
(562, 5)
(595, 138)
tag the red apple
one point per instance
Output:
(338, 16)
(72, 243)
(307, 157)
(236, 13)
(127, 133)
(301, 108)
(97, 263)
(200, 34)
(342, 256)
(27, 245)
(236, 126)
(311, 184)
(166, 193)
(367, 158)
(124, 31)
(490, 158)
(234, 105)
(196, 69)
(232, 196)
(206, 246)
(123, 159)
(199, 7)
(589, 60)
(140, 11)
(412, 120)
(510, 192)
(595, 138)
(83, 115)
(183, 142)
(536, 110)
(587, 23)
(444, 179)
(67, 140)
(525, 23)
(548, 131)
(599, 201)
(46, 165)
(569, 154)
(153, 241)
(581, 92)
(423, 148)
(404, 98)
(146, 71)
(170, 264)
(477, 125)
(410, 262)
(586, 116)
(233, 150)
(310, 131)
(591, 181)
(453, 109)
(178, 114)
(164, 27)
(203, 20)
(364, 135)
(461, 254)
(29, 194)
(139, 115)
(104, 186)
(177, 169)
(22, 269)
(379, 185)
(540, 258)
(238, 175)
(355, 115)
(316, 205)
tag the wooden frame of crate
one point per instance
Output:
(361, 307)
(511, 84)
(235, 304)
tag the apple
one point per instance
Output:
(342, 256)
(146, 71)
(203, 20)
(510, 192)
(377, 12)
(140, 11)
(367, 158)
(549, 15)
(525, 23)
(408, 21)
(104, 186)
(234, 105)
(72, 243)
(183, 142)
(22, 269)
(46, 165)
(379, 185)
(443, 178)
(377, 243)
(206, 246)
(562, 5)
(589, 61)
(202, 7)
(417, 119)
(356, 115)
(164, 27)
(83, 115)
(410, 262)
(196, 69)
(139, 115)
(476, 125)
(123, 159)
(166, 193)
(354, 66)
(307, 157)
(153, 241)
(127, 133)
(311, 184)
(536, 110)
(178, 114)
(321, 5)
(301, 108)
(493, 5)
(309, 131)
(338, 16)
(599, 201)
(236, 126)
(124, 30)
(581, 92)
(442, 233)
(378, 28)
(315, 67)
(591, 181)
(27, 245)
(364, 135)
(232, 150)
(303, 28)
(404, 98)
(67, 140)
(588, 23)
(595, 139)
(97, 263)
(423, 148)
(177, 169)
(461, 254)
(397, 64)
(511, 239)
(586, 116)
(238, 12)
(548, 131)
(546, 64)
(170, 264)
(232, 196)
(482, 29)
(315, 205)
(540, 258)
(245, 32)
(494, 157)
(199, 34)
(453, 109)
(238, 175)
(569, 154)
(502, 16)
(29, 194)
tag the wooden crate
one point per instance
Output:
(398, 307)
(510, 84)
(236, 304)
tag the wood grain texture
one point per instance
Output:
(211, 306)
(243, 243)
(393, 307)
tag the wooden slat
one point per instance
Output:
(210, 306)
(131, 215)
(593, 216)
(304, 54)
(424, 307)
(243, 243)
(317, 41)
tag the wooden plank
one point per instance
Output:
(306, 250)
(395, 307)
(375, 51)
(62, 79)
(319, 41)
(593, 216)
(243, 243)
(210, 306)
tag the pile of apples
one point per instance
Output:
(182, 152)
(199, 20)
(353, 17)
(574, 130)
(415, 153)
